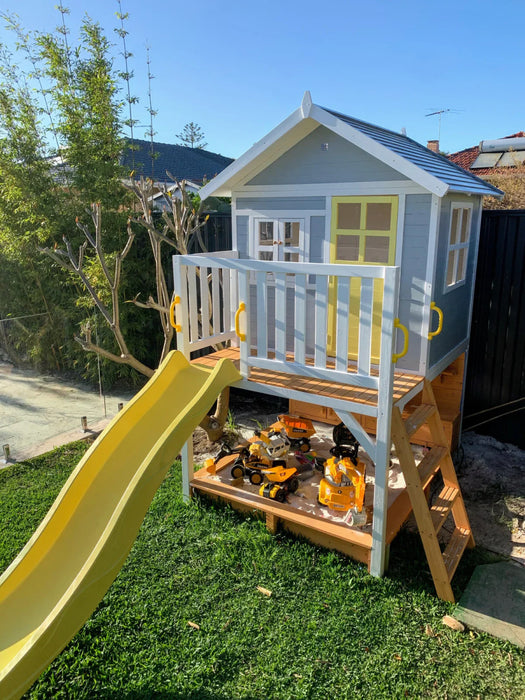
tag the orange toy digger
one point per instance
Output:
(343, 486)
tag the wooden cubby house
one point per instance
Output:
(349, 292)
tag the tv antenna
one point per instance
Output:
(440, 113)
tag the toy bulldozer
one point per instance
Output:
(343, 486)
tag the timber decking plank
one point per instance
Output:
(403, 383)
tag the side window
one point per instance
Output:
(458, 243)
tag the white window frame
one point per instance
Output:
(456, 247)
(278, 248)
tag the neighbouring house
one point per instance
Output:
(195, 165)
(502, 163)
(348, 291)
(483, 159)
(159, 161)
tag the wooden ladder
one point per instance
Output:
(430, 519)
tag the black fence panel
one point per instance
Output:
(216, 233)
(495, 382)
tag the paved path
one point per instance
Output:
(38, 413)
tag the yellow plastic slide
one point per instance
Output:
(63, 572)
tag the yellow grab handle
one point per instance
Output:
(174, 303)
(241, 336)
(404, 330)
(439, 312)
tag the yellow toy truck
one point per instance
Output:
(342, 487)
(297, 430)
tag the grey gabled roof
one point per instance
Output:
(435, 164)
(430, 170)
(183, 162)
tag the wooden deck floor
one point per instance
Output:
(403, 383)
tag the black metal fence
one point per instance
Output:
(216, 233)
(495, 383)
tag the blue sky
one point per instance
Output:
(238, 68)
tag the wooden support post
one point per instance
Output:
(272, 523)
(187, 468)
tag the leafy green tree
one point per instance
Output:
(70, 100)
(60, 144)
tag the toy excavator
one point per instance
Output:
(342, 487)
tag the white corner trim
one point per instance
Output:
(382, 153)
(430, 273)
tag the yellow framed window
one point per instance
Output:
(364, 230)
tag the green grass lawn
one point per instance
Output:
(329, 630)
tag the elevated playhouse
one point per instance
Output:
(349, 292)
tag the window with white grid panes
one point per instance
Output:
(280, 239)
(458, 244)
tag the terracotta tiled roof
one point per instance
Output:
(467, 156)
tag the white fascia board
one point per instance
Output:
(497, 194)
(382, 153)
(221, 185)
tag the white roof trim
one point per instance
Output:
(251, 154)
(233, 175)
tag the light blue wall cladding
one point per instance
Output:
(260, 205)
(242, 235)
(317, 235)
(413, 269)
(307, 162)
(455, 303)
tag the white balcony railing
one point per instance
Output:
(296, 317)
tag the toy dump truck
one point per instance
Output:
(269, 451)
(297, 430)
(280, 482)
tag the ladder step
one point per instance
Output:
(428, 466)
(418, 418)
(443, 505)
(454, 549)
